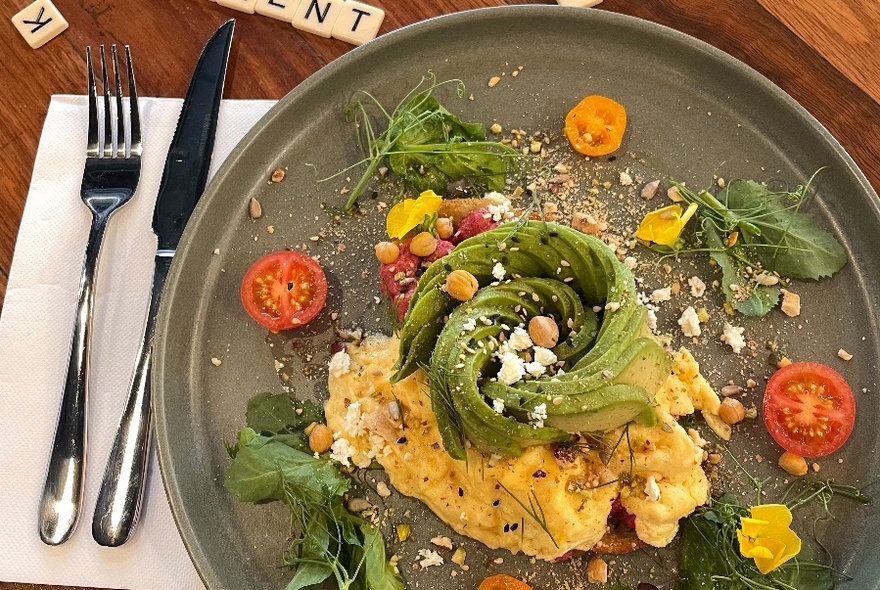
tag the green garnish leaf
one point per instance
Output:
(757, 236)
(798, 247)
(427, 146)
(759, 299)
(278, 413)
(328, 541)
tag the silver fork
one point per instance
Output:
(112, 170)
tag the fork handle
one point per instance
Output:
(62, 492)
(118, 506)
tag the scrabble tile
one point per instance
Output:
(39, 23)
(280, 9)
(317, 16)
(247, 6)
(581, 3)
(358, 23)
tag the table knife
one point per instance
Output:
(183, 181)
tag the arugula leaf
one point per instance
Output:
(750, 300)
(329, 542)
(790, 242)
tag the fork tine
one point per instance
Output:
(119, 152)
(107, 150)
(92, 148)
(135, 130)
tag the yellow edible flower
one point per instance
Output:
(767, 537)
(665, 225)
(408, 213)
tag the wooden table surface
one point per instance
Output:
(822, 52)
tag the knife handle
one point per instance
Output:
(62, 492)
(118, 505)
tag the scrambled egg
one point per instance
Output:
(549, 500)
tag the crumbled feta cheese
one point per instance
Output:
(537, 417)
(630, 262)
(660, 295)
(429, 558)
(469, 324)
(733, 337)
(535, 369)
(340, 364)
(498, 207)
(652, 319)
(545, 356)
(498, 406)
(690, 323)
(512, 369)
(520, 339)
(342, 451)
(698, 287)
(625, 179)
(498, 271)
(652, 490)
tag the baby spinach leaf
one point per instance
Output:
(276, 413)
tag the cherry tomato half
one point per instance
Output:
(595, 126)
(809, 409)
(503, 582)
(284, 290)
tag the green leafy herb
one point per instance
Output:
(757, 235)
(534, 510)
(711, 560)
(426, 145)
(328, 541)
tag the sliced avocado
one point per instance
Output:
(606, 409)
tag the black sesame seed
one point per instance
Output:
(401, 440)
(514, 526)
(539, 473)
(612, 158)
(374, 195)
(447, 267)
(554, 234)
(496, 502)
(514, 239)
(460, 493)
(506, 528)
(544, 240)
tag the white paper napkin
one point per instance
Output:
(35, 330)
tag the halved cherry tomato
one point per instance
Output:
(809, 409)
(503, 582)
(595, 126)
(284, 290)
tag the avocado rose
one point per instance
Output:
(607, 367)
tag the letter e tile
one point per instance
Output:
(358, 22)
(280, 9)
(39, 23)
(246, 6)
(317, 16)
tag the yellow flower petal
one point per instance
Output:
(775, 513)
(408, 213)
(664, 226)
(767, 538)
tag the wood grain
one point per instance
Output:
(843, 31)
(821, 53)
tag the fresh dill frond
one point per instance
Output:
(534, 510)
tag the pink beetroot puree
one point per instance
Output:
(478, 221)
(398, 280)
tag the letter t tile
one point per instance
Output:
(358, 22)
(39, 23)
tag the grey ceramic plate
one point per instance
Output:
(693, 111)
